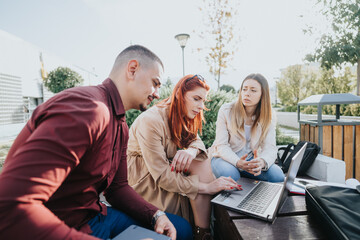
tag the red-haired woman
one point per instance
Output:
(167, 161)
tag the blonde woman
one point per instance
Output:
(244, 127)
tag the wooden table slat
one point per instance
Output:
(293, 222)
(291, 227)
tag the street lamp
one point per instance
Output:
(182, 38)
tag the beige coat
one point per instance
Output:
(227, 142)
(149, 173)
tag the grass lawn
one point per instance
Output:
(4, 149)
(289, 128)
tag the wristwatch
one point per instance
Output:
(156, 216)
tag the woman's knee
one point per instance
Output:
(203, 170)
(222, 168)
(183, 227)
(275, 174)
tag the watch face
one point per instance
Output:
(156, 216)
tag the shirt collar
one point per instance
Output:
(114, 96)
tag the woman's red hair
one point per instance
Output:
(184, 130)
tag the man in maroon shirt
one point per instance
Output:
(72, 149)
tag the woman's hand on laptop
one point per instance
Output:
(219, 184)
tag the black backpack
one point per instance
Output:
(310, 154)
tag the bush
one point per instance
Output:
(216, 100)
(290, 108)
(281, 139)
(355, 109)
(62, 78)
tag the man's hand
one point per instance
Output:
(164, 226)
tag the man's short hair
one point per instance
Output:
(143, 55)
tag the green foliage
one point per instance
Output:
(228, 88)
(297, 83)
(168, 83)
(216, 100)
(220, 41)
(289, 86)
(355, 109)
(345, 110)
(62, 78)
(290, 108)
(281, 139)
(328, 83)
(342, 45)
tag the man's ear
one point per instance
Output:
(132, 67)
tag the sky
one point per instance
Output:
(91, 33)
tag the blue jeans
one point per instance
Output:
(221, 167)
(115, 222)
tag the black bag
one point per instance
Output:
(336, 209)
(310, 154)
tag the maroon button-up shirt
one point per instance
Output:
(72, 149)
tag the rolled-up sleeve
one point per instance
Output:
(199, 144)
(149, 134)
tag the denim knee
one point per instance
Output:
(275, 174)
(221, 167)
(183, 227)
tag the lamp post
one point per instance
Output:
(182, 38)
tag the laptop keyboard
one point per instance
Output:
(260, 198)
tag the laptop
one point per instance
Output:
(136, 233)
(261, 199)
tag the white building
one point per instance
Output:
(21, 84)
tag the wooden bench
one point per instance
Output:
(293, 222)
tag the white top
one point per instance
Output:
(228, 143)
(247, 137)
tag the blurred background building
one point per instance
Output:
(22, 69)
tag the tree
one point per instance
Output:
(343, 46)
(168, 83)
(62, 78)
(289, 85)
(219, 37)
(228, 88)
(328, 83)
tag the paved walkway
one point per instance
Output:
(291, 133)
(10, 131)
(290, 118)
